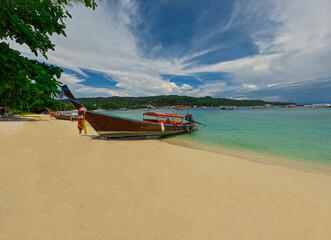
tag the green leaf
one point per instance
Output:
(26, 83)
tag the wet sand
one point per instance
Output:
(55, 184)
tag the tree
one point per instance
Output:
(26, 83)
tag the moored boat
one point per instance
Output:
(324, 105)
(107, 125)
(227, 107)
(65, 117)
(258, 107)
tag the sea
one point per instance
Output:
(300, 133)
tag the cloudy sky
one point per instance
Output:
(255, 49)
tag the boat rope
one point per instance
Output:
(73, 100)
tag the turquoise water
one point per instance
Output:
(301, 133)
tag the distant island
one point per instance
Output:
(166, 100)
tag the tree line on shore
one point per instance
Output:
(114, 103)
(162, 101)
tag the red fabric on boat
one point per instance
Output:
(163, 115)
(180, 106)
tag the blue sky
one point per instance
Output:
(246, 49)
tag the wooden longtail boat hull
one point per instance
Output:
(115, 126)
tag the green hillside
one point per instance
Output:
(161, 101)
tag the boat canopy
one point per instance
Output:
(162, 115)
(180, 106)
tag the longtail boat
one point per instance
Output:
(112, 126)
(65, 117)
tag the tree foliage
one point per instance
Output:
(26, 83)
(161, 101)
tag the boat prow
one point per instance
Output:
(118, 127)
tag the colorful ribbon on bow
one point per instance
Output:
(81, 120)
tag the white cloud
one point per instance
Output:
(299, 49)
(76, 86)
(272, 85)
(293, 39)
(250, 86)
(101, 40)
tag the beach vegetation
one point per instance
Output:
(162, 101)
(28, 84)
(69, 107)
(22, 112)
(110, 105)
(17, 112)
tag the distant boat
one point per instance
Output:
(325, 105)
(258, 107)
(292, 105)
(227, 107)
(268, 105)
(116, 127)
(66, 116)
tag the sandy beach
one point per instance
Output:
(55, 184)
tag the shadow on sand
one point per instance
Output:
(13, 118)
(97, 137)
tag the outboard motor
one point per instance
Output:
(190, 121)
(189, 118)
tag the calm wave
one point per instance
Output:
(300, 133)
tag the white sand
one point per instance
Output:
(55, 184)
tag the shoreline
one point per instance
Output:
(269, 159)
(56, 184)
